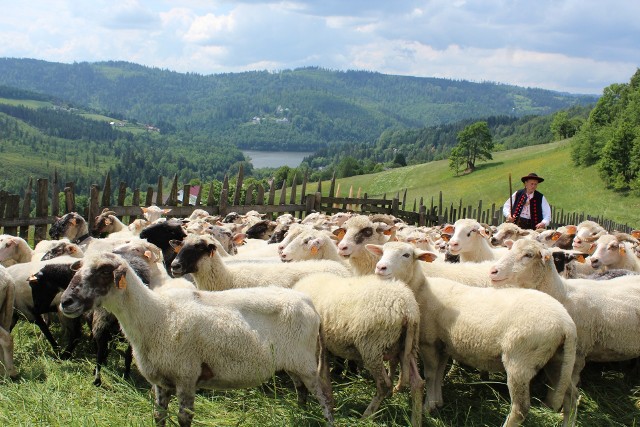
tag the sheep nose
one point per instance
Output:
(493, 271)
(494, 241)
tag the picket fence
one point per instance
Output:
(18, 218)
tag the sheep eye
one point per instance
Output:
(406, 255)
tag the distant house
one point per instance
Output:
(193, 194)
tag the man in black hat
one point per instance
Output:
(528, 208)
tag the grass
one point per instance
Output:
(51, 392)
(566, 186)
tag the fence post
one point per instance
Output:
(158, 193)
(42, 209)
(238, 193)
(310, 201)
(12, 212)
(55, 201)
(106, 191)
(26, 211)
(94, 206)
(260, 195)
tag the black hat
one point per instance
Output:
(532, 176)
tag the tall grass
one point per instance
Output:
(567, 187)
(51, 392)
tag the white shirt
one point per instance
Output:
(526, 210)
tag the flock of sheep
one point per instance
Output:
(221, 303)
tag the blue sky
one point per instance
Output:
(577, 46)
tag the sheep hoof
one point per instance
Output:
(97, 382)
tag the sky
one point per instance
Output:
(575, 46)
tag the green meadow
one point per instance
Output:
(567, 187)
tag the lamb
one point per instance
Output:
(611, 252)
(354, 234)
(137, 226)
(518, 331)
(7, 296)
(470, 241)
(199, 256)
(14, 250)
(370, 320)
(602, 337)
(231, 339)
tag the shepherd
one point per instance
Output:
(527, 207)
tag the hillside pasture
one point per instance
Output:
(567, 187)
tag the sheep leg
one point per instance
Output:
(37, 319)
(518, 381)
(321, 388)
(128, 358)
(431, 365)
(186, 398)
(6, 342)
(301, 390)
(442, 366)
(101, 337)
(163, 396)
(74, 332)
(383, 385)
(417, 387)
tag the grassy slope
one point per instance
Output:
(566, 186)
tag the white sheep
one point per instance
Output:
(508, 231)
(587, 232)
(311, 244)
(191, 340)
(471, 241)
(607, 316)
(14, 250)
(137, 226)
(370, 320)
(517, 331)
(199, 256)
(354, 234)
(7, 295)
(153, 213)
(611, 252)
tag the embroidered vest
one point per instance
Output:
(535, 208)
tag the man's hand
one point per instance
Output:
(541, 225)
(509, 218)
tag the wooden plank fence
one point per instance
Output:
(16, 218)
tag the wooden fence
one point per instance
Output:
(16, 216)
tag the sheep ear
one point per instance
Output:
(374, 249)
(556, 236)
(107, 221)
(448, 229)
(636, 234)
(482, 232)
(571, 229)
(445, 237)
(33, 279)
(580, 258)
(72, 249)
(426, 256)
(148, 254)
(239, 238)
(176, 245)
(166, 211)
(622, 249)
(339, 233)
(144, 210)
(76, 265)
(119, 276)
(73, 221)
(508, 243)
(212, 250)
(11, 241)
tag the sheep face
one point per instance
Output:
(464, 235)
(303, 247)
(525, 260)
(103, 224)
(63, 248)
(609, 250)
(507, 231)
(190, 253)
(261, 230)
(8, 247)
(359, 231)
(161, 233)
(398, 260)
(68, 225)
(93, 281)
(46, 284)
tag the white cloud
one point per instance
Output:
(569, 45)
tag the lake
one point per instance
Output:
(275, 159)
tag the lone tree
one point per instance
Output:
(474, 143)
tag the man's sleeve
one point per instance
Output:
(546, 211)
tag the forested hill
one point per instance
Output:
(302, 109)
